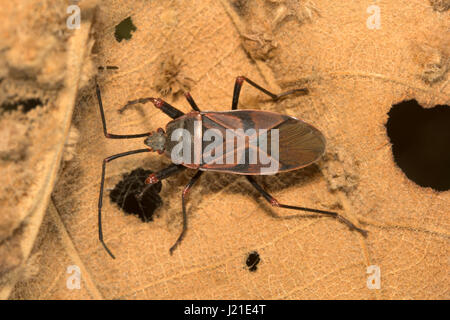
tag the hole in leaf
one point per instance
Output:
(26, 105)
(252, 261)
(124, 29)
(125, 195)
(421, 142)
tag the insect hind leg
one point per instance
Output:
(275, 203)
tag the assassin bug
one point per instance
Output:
(300, 144)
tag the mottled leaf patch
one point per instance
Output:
(171, 78)
(126, 195)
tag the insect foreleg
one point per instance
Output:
(160, 175)
(191, 101)
(100, 197)
(165, 107)
(105, 131)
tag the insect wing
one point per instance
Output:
(295, 143)
(300, 144)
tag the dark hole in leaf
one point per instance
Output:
(252, 261)
(125, 195)
(124, 29)
(421, 142)
(27, 105)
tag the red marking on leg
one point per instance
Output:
(157, 102)
(160, 130)
(187, 95)
(185, 191)
(160, 151)
(274, 202)
(240, 79)
(151, 179)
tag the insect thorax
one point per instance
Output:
(185, 123)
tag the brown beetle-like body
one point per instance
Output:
(299, 143)
(244, 142)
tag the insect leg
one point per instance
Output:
(238, 85)
(275, 203)
(191, 101)
(110, 135)
(100, 197)
(183, 202)
(168, 109)
(160, 175)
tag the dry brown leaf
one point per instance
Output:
(355, 74)
(41, 76)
